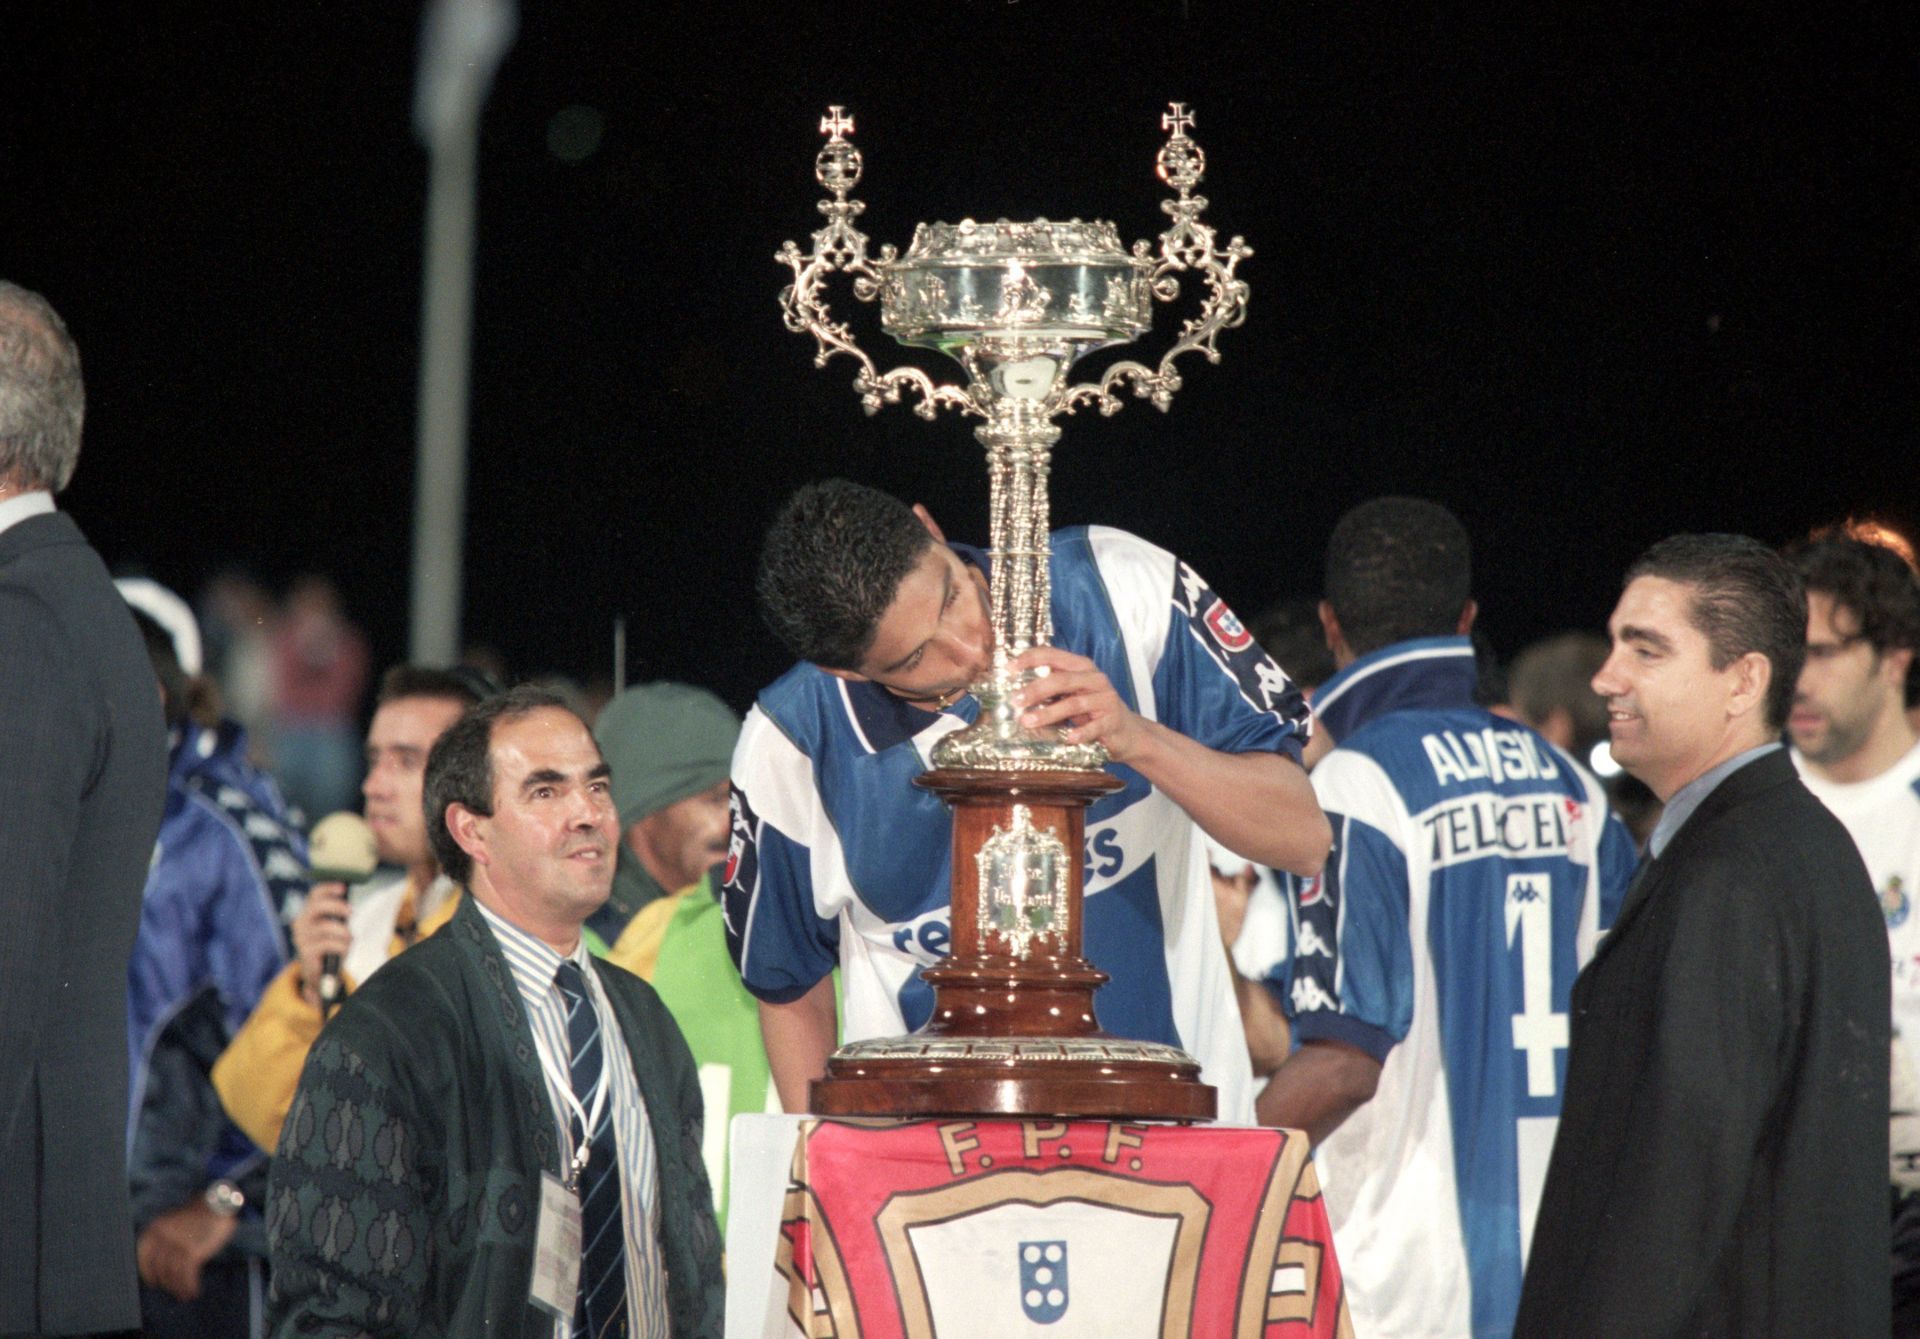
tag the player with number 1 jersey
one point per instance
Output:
(1473, 868)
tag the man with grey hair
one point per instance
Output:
(83, 760)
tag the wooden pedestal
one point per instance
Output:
(1013, 1034)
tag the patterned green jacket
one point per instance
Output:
(406, 1187)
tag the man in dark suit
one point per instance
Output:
(1720, 1165)
(83, 769)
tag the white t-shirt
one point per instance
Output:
(1882, 814)
(373, 914)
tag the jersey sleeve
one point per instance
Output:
(1349, 975)
(1211, 680)
(1615, 863)
(780, 942)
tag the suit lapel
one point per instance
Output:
(649, 1076)
(1631, 902)
(507, 1014)
(1760, 775)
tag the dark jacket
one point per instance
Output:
(1721, 1162)
(83, 772)
(406, 1189)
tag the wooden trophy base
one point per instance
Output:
(1013, 1032)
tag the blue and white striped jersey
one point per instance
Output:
(838, 860)
(1473, 868)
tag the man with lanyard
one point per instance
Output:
(526, 1118)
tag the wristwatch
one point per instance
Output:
(225, 1198)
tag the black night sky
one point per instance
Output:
(1589, 275)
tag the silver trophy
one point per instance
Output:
(1013, 1030)
(1017, 304)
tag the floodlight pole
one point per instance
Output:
(462, 44)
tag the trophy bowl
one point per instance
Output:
(1037, 293)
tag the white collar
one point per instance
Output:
(33, 502)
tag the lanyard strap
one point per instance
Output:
(561, 1080)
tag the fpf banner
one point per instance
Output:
(1056, 1230)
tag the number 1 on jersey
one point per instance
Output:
(1538, 1031)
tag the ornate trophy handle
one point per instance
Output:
(841, 246)
(1188, 244)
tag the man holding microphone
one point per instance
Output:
(256, 1076)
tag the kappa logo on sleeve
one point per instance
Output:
(1233, 648)
(1316, 932)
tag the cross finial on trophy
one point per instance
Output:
(1177, 119)
(836, 123)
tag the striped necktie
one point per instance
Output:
(601, 1311)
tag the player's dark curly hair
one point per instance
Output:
(832, 562)
(1873, 583)
(1398, 567)
(1746, 598)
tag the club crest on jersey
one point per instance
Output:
(1232, 647)
(1894, 901)
(1227, 629)
(1043, 1280)
(1313, 891)
(739, 834)
(742, 873)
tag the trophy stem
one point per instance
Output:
(1019, 454)
(1019, 443)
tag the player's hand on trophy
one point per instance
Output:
(319, 930)
(1074, 693)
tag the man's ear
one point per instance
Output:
(1329, 625)
(1752, 674)
(1468, 612)
(1895, 662)
(465, 827)
(926, 519)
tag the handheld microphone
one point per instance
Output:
(340, 850)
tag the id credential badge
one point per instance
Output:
(556, 1250)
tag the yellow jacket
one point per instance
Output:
(260, 1068)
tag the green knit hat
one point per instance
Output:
(664, 741)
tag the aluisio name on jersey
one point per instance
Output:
(1487, 755)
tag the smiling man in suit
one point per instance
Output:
(1720, 1162)
(83, 766)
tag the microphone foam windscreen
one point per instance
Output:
(341, 849)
